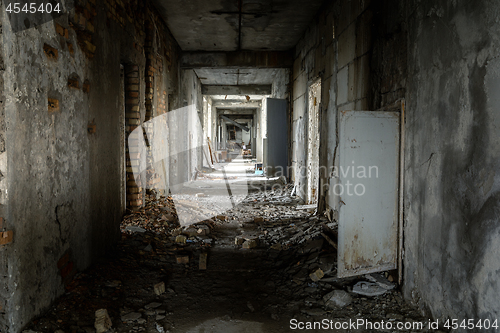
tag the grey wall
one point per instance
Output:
(443, 59)
(452, 243)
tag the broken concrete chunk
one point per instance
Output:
(249, 244)
(181, 239)
(203, 230)
(277, 247)
(238, 240)
(152, 305)
(337, 298)
(314, 312)
(176, 232)
(134, 229)
(380, 280)
(250, 306)
(102, 321)
(306, 207)
(132, 316)
(203, 261)
(182, 259)
(159, 288)
(159, 328)
(190, 232)
(317, 275)
(368, 289)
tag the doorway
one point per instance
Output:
(313, 111)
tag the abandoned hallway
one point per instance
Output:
(249, 166)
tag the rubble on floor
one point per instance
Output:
(264, 261)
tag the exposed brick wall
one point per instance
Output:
(4, 282)
(73, 132)
(135, 193)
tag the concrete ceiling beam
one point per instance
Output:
(237, 59)
(253, 89)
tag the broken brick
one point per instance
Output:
(71, 49)
(50, 52)
(6, 237)
(317, 275)
(73, 83)
(86, 87)
(92, 128)
(53, 105)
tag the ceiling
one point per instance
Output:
(231, 25)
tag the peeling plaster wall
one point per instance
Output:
(64, 183)
(452, 188)
(358, 49)
(185, 166)
(315, 57)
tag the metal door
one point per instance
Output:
(276, 159)
(367, 189)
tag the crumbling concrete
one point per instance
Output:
(452, 160)
(62, 144)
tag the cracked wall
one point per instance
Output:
(62, 164)
(452, 159)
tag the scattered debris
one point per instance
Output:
(102, 321)
(132, 316)
(159, 288)
(159, 328)
(307, 207)
(317, 275)
(182, 259)
(368, 289)
(381, 281)
(249, 244)
(203, 261)
(181, 239)
(337, 299)
(152, 305)
(250, 306)
(292, 274)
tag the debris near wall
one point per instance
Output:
(157, 215)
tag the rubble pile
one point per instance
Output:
(158, 215)
(267, 260)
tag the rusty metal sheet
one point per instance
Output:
(368, 174)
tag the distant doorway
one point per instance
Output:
(313, 111)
